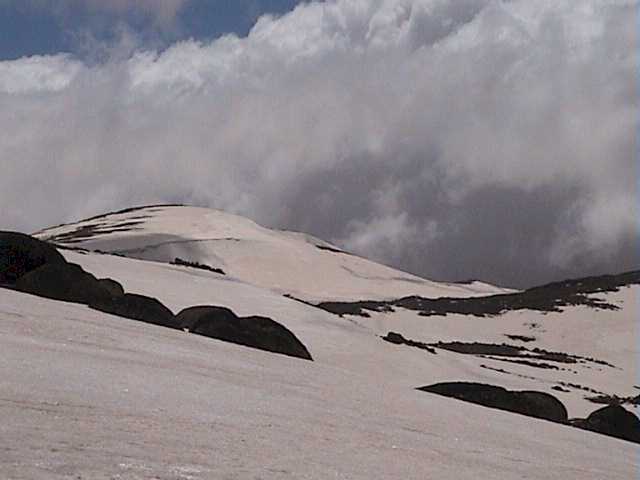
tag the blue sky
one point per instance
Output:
(40, 27)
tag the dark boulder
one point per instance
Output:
(272, 336)
(191, 317)
(67, 282)
(137, 307)
(20, 254)
(530, 403)
(539, 405)
(114, 288)
(612, 420)
(395, 338)
(257, 332)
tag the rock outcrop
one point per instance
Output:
(530, 403)
(257, 332)
(20, 254)
(66, 282)
(137, 307)
(612, 420)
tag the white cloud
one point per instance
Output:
(38, 74)
(455, 108)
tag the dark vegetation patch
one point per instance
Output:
(356, 308)
(135, 209)
(36, 267)
(614, 400)
(119, 212)
(515, 351)
(145, 248)
(201, 266)
(115, 254)
(534, 357)
(477, 348)
(506, 372)
(528, 363)
(88, 231)
(80, 250)
(291, 297)
(521, 338)
(257, 332)
(528, 402)
(98, 226)
(397, 339)
(551, 297)
(577, 386)
(331, 249)
(468, 281)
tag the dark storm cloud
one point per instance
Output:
(454, 139)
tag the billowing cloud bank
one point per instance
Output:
(452, 138)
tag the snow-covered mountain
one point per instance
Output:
(286, 262)
(87, 394)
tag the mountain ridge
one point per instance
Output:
(211, 237)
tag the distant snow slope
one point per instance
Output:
(603, 346)
(286, 262)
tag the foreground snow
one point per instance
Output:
(88, 395)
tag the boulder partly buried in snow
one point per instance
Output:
(20, 254)
(257, 332)
(137, 307)
(67, 282)
(530, 403)
(193, 317)
(612, 420)
(539, 405)
(113, 287)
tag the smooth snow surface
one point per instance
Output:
(287, 262)
(89, 395)
(86, 395)
(354, 342)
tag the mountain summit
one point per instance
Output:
(288, 262)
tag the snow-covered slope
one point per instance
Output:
(604, 340)
(90, 395)
(603, 353)
(598, 351)
(288, 262)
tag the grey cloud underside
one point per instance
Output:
(498, 234)
(453, 139)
